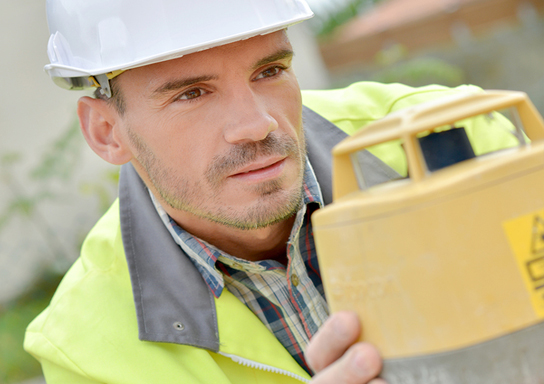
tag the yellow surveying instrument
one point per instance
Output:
(444, 264)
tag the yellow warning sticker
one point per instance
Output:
(526, 237)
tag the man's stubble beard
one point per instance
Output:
(273, 205)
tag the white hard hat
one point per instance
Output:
(94, 40)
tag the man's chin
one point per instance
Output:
(271, 207)
(253, 223)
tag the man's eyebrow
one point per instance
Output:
(280, 55)
(174, 85)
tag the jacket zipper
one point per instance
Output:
(264, 367)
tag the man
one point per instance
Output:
(205, 269)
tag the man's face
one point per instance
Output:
(218, 134)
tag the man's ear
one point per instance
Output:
(100, 126)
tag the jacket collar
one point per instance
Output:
(173, 303)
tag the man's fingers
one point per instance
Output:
(336, 359)
(360, 365)
(332, 340)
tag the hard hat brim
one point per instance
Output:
(75, 78)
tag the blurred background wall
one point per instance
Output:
(53, 188)
(44, 211)
(496, 44)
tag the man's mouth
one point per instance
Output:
(260, 171)
(253, 162)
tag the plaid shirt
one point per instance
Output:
(289, 301)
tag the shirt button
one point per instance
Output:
(294, 280)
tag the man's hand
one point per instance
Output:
(335, 358)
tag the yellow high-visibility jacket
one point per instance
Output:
(134, 309)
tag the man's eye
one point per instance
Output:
(192, 94)
(270, 72)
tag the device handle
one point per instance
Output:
(406, 124)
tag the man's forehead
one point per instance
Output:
(250, 53)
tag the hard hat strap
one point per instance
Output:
(103, 81)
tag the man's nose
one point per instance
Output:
(248, 118)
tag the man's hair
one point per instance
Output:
(116, 98)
